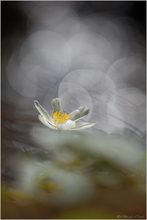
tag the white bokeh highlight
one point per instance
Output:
(94, 60)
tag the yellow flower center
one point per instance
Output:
(49, 187)
(60, 118)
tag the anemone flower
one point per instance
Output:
(61, 120)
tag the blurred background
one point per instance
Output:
(86, 53)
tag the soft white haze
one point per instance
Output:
(94, 60)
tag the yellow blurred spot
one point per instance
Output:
(60, 118)
(16, 196)
(49, 186)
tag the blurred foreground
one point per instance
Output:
(75, 175)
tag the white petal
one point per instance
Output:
(45, 122)
(83, 125)
(79, 113)
(56, 105)
(42, 111)
(68, 125)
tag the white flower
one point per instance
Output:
(61, 120)
(50, 183)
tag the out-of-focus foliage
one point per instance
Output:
(84, 169)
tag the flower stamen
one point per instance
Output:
(60, 118)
